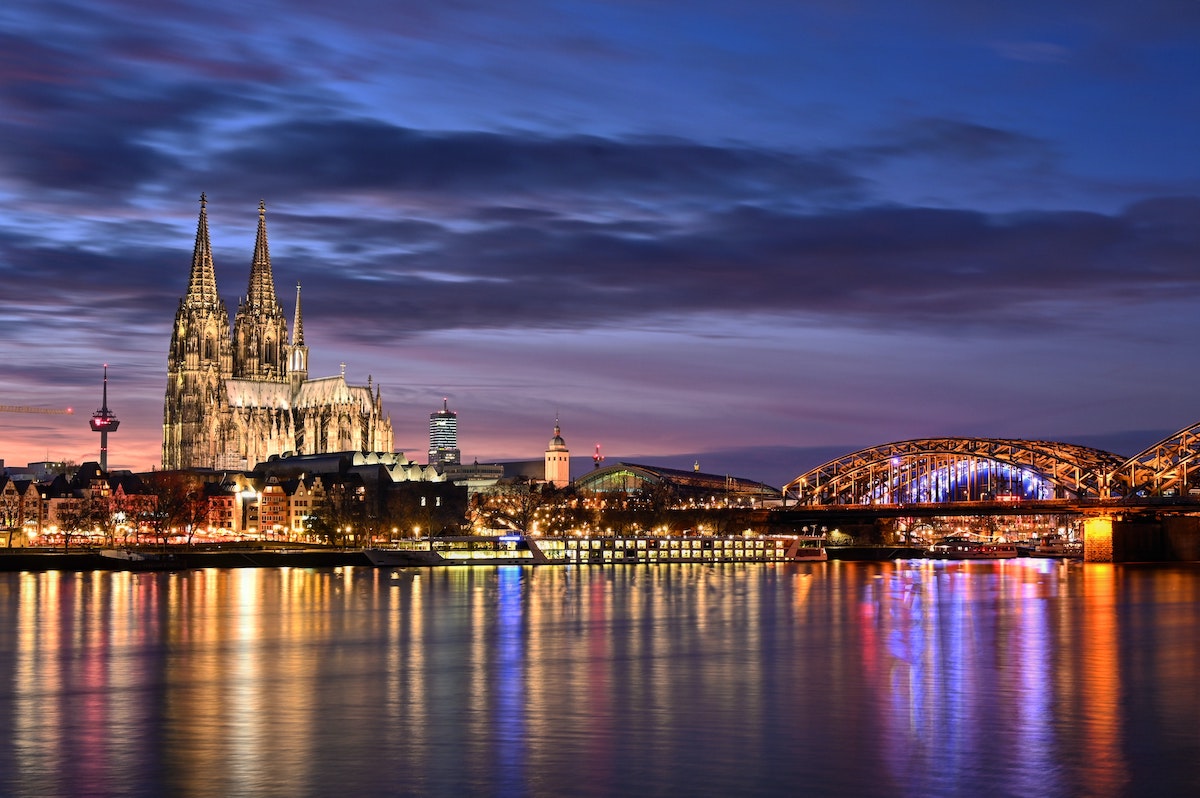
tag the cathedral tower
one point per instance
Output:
(232, 403)
(260, 328)
(198, 363)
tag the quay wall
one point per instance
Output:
(25, 560)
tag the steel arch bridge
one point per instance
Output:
(1170, 467)
(945, 470)
(940, 470)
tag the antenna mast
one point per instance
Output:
(104, 422)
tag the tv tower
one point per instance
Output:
(104, 422)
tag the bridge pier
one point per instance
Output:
(1165, 538)
(1098, 539)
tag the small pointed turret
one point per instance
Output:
(298, 322)
(298, 359)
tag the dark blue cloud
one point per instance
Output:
(877, 266)
(912, 176)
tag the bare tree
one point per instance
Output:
(513, 505)
(178, 504)
(341, 511)
(83, 514)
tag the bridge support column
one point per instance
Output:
(1098, 539)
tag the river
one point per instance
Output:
(907, 678)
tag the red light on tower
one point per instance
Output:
(597, 458)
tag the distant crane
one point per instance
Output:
(50, 411)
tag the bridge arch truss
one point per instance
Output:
(1170, 467)
(944, 470)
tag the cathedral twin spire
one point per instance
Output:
(260, 296)
(235, 400)
(261, 349)
(202, 284)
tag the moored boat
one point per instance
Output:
(462, 550)
(126, 555)
(1060, 548)
(129, 559)
(599, 550)
(964, 549)
(685, 548)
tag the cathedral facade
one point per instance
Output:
(234, 400)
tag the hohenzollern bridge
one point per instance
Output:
(1130, 507)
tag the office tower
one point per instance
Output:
(443, 436)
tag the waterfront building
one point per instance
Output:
(475, 478)
(64, 499)
(443, 436)
(222, 502)
(20, 505)
(90, 501)
(558, 460)
(42, 471)
(234, 400)
(305, 494)
(683, 487)
(378, 493)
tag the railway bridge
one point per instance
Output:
(1130, 508)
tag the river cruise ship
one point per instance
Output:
(963, 549)
(599, 550)
(1058, 548)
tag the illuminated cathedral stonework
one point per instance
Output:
(234, 401)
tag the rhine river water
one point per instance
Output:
(909, 678)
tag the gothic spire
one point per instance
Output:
(261, 293)
(202, 284)
(260, 335)
(298, 322)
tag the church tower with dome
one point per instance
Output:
(233, 400)
(558, 460)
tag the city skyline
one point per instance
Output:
(760, 239)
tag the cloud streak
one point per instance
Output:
(605, 207)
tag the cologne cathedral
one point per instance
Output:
(233, 402)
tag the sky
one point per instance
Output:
(756, 235)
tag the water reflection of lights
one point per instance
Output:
(918, 677)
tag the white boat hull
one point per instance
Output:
(970, 550)
(598, 550)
